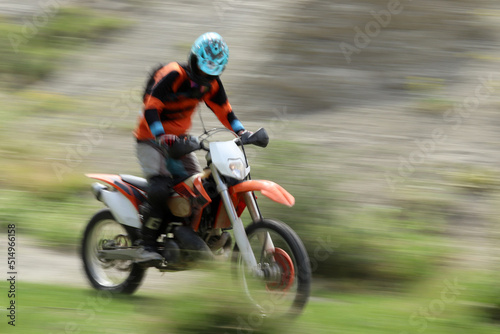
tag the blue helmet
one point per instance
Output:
(210, 53)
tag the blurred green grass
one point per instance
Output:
(27, 58)
(217, 307)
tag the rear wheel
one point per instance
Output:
(283, 287)
(116, 276)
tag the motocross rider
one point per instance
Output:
(172, 94)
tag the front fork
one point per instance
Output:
(238, 227)
(253, 209)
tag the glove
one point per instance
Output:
(182, 146)
(166, 141)
(245, 135)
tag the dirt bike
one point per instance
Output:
(206, 210)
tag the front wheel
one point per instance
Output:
(284, 285)
(115, 276)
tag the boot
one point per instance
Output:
(146, 254)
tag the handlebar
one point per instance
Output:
(190, 144)
(258, 138)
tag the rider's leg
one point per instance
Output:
(183, 167)
(191, 164)
(149, 233)
(154, 214)
(159, 172)
(160, 183)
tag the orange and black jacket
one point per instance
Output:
(167, 110)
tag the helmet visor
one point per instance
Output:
(209, 67)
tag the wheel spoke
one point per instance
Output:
(106, 272)
(280, 290)
(105, 235)
(103, 232)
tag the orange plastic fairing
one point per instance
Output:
(134, 195)
(203, 200)
(268, 188)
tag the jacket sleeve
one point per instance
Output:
(217, 101)
(153, 104)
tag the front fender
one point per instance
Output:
(268, 188)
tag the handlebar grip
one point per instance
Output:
(258, 138)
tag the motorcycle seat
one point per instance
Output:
(136, 181)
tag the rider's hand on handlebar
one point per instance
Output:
(177, 146)
(166, 140)
(258, 138)
(244, 135)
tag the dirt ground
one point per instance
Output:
(40, 264)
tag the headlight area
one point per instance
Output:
(237, 167)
